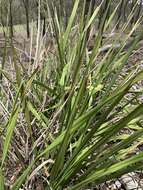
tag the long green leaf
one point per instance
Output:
(10, 128)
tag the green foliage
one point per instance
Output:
(75, 107)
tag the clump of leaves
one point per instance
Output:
(73, 113)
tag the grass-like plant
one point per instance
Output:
(73, 108)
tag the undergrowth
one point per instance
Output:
(65, 113)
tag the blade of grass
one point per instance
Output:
(10, 128)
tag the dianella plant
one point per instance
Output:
(73, 118)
